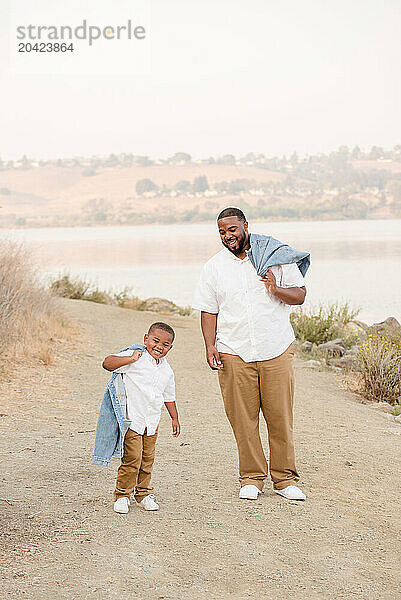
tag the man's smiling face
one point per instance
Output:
(234, 234)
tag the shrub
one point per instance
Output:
(70, 287)
(28, 317)
(122, 297)
(323, 324)
(75, 288)
(380, 360)
(145, 185)
(99, 297)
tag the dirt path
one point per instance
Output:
(61, 539)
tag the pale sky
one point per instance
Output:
(210, 78)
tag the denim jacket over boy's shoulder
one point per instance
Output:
(266, 252)
(112, 424)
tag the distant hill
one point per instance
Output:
(97, 191)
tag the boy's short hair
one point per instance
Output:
(163, 326)
(231, 211)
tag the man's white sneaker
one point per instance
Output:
(148, 503)
(121, 505)
(291, 492)
(249, 492)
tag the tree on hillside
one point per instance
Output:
(376, 152)
(240, 185)
(227, 159)
(96, 209)
(145, 185)
(26, 163)
(112, 161)
(183, 187)
(181, 157)
(143, 161)
(343, 151)
(395, 191)
(200, 184)
(249, 158)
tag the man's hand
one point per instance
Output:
(213, 358)
(136, 356)
(270, 282)
(176, 427)
(292, 295)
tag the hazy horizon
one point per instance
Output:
(193, 158)
(209, 79)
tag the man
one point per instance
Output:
(249, 341)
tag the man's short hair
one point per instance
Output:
(163, 326)
(231, 211)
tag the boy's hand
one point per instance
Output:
(176, 427)
(136, 356)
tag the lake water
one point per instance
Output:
(358, 261)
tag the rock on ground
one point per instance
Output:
(389, 326)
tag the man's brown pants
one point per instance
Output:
(135, 470)
(266, 385)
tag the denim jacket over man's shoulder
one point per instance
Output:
(112, 424)
(266, 252)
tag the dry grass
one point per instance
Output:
(29, 323)
(44, 354)
(325, 323)
(75, 288)
(380, 359)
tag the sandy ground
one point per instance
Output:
(62, 540)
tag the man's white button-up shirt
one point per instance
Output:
(148, 385)
(251, 322)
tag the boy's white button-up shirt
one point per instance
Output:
(251, 322)
(148, 385)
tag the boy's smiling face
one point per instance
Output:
(158, 342)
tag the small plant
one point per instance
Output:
(75, 288)
(323, 324)
(70, 287)
(380, 359)
(122, 297)
(184, 311)
(99, 297)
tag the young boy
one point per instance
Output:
(149, 383)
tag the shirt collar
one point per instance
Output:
(153, 360)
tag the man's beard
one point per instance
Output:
(242, 242)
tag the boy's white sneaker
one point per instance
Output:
(148, 503)
(249, 492)
(291, 492)
(121, 505)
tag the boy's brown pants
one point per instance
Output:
(247, 388)
(135, 470)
